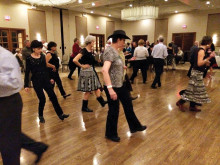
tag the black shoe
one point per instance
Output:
(65, 96)
(40, 153)
(86, 110)
(114, 139)
(70, 78)
(142, 128)
(63, 116)
(134, 98)
(102, 101)
(144, 82)
(42, 120)
(159, 84)
(153, 87)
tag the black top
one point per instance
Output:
(54, 60)
(195, 64)
(38, 69)
(170, 51)
(87, 58)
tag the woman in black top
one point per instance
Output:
(53, 67)
(36, 64)
(88, 78)
(196, 92)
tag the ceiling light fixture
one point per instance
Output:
(207, 2)
(165, 0)
(93, 4)
(49, 2)
(109, 15)
(92, 12)
(139, 13)
(80, 1)
(176, 11)
(131, 5)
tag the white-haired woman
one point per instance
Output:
(88, 78)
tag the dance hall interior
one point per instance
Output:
(109, 82)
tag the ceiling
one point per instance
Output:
(114, 7)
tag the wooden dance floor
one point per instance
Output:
(172, 137)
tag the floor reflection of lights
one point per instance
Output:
(170, 107)
(82, 123)
(129, 134)
(144, 132)
(96, 159)
(38, 122)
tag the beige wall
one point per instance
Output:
(196, 22)
(92, 22)
(18, 13)
(144, 27)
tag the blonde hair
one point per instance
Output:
(141, 42)
(89, 39)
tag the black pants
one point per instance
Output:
(113, 112)
(39, 88)
(140, 64)
(158, 65)
(72, 67)
(58, 81)
(11, 138)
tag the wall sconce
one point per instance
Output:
(38, 36)
(82, 40)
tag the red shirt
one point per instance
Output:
(75, 50)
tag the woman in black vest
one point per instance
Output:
(196, 93)
(53, 67)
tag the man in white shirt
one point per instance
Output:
(11, 137)
(159, 53)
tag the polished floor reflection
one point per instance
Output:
(172, 138)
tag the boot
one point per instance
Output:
(102, 101)
(180, 105)
(85, 106)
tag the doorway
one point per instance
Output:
(12, 38)
(184, 40)
(136, 38)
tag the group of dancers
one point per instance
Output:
(117, 87)
(44, 71)
(116, 83)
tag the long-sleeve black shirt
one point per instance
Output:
(38, 69)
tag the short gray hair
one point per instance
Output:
(89, 39)
(161, 39)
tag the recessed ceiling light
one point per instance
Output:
(92, 12)
(130, 5)
(109, 15)
(93, 4)
(80, 1)
(176, 11)
(165, 0)
(207, 2)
